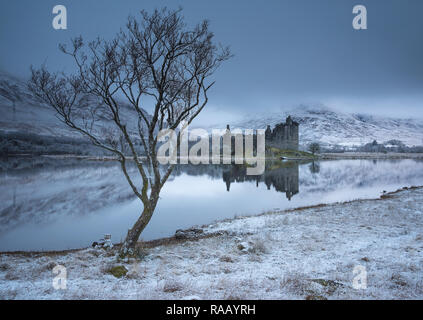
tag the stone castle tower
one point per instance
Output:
(284, 135)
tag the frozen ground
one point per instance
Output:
(297, 254)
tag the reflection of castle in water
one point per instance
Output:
(283, 178)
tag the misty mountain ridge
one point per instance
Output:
(29, 126)
(330, 127)
(21, 113)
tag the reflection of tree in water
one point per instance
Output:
(314, 167)
(80, 187)
(283, 177)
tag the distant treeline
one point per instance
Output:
(388, 146)
(13, 143)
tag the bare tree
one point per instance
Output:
(314, 147)
(155, 60)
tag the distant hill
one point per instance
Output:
(331, 127)
(28, 126)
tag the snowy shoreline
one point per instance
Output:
(369, 155)
(305, 253)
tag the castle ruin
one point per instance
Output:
(284, 136)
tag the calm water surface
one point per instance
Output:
(51, 204)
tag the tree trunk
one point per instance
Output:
(128, 246)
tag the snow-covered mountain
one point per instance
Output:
(331, 127)
(22, 113)
(24, 118)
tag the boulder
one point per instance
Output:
(191, 233)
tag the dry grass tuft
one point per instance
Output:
(172, 286)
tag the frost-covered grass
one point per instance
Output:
(297, 254)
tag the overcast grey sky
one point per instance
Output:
(286, 52)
